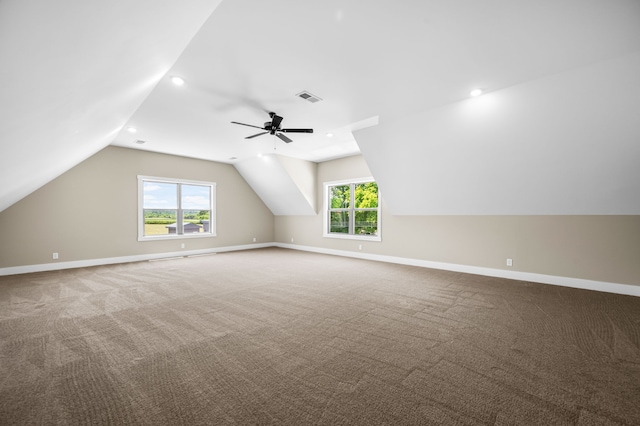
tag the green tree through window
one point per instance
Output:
(359, 217)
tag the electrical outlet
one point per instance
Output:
(182, 245)
(291, 239)
(254, 239)
(55, 256)
(359, 246)
(509, 262)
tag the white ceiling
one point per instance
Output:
(78, 74)
(73, 72)
(565, 144)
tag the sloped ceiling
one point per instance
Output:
(564, 144)
(79, 74)
(73, 72)
(286, 185)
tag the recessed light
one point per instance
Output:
(475, 92)
(260, 154)
(178, 81)
(329, 135)
(131, 129)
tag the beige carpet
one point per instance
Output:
(275, 336)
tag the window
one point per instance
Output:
(352, 210)
(171, 208)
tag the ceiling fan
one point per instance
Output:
(273, 127)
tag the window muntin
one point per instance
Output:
(352, 210)
(172, 208)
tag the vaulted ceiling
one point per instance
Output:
(560, 79)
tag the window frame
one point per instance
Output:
(352, 210)
(179, 211)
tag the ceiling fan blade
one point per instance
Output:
(275, 121)
(283, 137)
(296, 130)
(257, 134)
(248, 125)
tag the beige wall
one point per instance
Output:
(90, 212)
(600, 248)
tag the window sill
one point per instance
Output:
(176, 237)
(354, 237)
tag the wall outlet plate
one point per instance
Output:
(509, 262)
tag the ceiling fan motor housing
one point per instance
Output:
(273, 127)
(268, 127)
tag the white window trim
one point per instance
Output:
(325, 211)
(212, 218)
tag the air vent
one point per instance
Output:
(309, 97)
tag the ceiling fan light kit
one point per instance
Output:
(273, 128)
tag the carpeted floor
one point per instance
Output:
(275, 336)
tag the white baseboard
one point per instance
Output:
(55, 266)
(627, 289)
(603, 286)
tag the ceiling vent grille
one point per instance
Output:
(309, 97)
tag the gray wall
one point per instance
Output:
(90, 212)
(600, 248)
